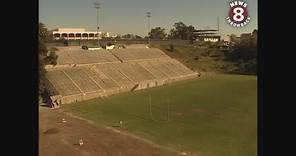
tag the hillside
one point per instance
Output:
(214, 60)
(198, 59)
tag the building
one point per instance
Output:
(234, 39)
(245, 36)
(211, 38)
(105, 35)
(225, 38)
(207, 35)
(75, 34)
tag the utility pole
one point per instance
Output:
(148, 14)
(97, 6)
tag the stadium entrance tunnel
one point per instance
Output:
(135, 87)
(56, 101)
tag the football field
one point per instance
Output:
(208, 116)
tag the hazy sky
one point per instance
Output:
(128, 16)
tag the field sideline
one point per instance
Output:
(210, 116)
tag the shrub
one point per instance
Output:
(172, 48)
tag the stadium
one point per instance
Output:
(157, 100)
(82, 74)
(188, 92)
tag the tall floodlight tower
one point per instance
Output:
(97, 6)
(218, 22)
(148, 14)
(218, 28)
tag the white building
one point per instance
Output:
(207, 35)
(211, 39)
(75, 34)
(225, 37)
(105, 34)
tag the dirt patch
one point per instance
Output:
(96, 140)
(51, 131)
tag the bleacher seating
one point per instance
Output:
(103, 72)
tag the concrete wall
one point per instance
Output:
(101, 94)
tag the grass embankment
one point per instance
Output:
(199, 59)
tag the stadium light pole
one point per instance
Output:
(218, 24)
(148, 14)
(97, 6)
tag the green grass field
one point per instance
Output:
(213, 115)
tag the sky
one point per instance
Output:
(129, 16)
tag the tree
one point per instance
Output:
(44, 59)
(44, 34)
(127, 36)
(42, 52)
(189, 32)
(254, 37)
(157, 33)
(51, 58)
(42, 48)
(234, 39)
(181, 31)
(41, 72)
(244, 54)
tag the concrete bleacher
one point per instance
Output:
(134, 72)
(62, 83)
(76, 55)
(135, 46)
(160, 65)
(182, 68)
(149, 66)
(138, 54)
(82, 80)
(100, 78)
(116, 75)
(103, 73)
(174, 68)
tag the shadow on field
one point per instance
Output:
(51, 131)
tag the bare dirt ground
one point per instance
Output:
(57, 138)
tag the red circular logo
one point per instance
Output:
(238, 14)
